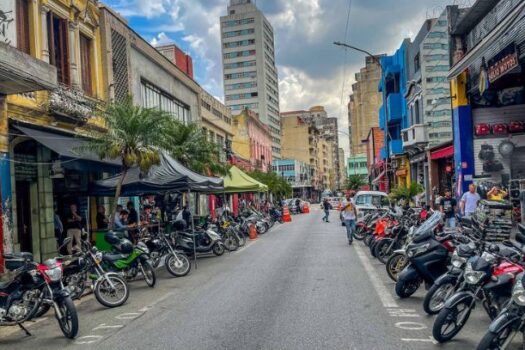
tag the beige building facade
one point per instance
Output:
(216, 121)
(365, 101)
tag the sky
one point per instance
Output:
(312, 71)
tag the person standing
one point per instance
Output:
(349, 216)
(74, 228)
(496, 194)
(326, 208)
(448, 207)
(59, 229)
(469, 201)
(133, 220)
(102, 220)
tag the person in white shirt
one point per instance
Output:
(349, 216)
(469, 201)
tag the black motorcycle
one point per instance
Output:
(160, 246)
(427, 256)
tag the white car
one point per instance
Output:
(368, 201)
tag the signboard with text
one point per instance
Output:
(503, 62)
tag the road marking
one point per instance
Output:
(411, 326)
(128, 316)
(88, 339)
(386, 299)
(425, 340)
(402, 313)
(105, 326)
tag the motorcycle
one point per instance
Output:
(35, 285)
(488, 279)
(159, 246)
(128, 259)
(206, 240)
(428, 258)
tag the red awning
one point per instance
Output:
(442, 153)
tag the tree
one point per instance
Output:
(132, 134)
(355, 182)
(406, 193)
(276, 184)
(189, 145)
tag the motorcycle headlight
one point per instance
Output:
(458, 261)
(471, 276)
(54, 274)
(518, 293)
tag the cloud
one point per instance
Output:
(312, 70)
(161, 39)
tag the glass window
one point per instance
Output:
(153, 97)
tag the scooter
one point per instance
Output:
(428, 258)
(206, 240)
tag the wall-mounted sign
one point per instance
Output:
(503, 62)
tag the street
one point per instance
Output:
(300, 286)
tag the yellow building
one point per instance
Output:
(46, 173)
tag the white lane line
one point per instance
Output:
(246, 246)
(386, 299)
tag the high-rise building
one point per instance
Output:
(248, 58)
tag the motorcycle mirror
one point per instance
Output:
(507, 243)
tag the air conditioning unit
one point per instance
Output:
(57, 172)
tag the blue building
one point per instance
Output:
(393, 114)
(298, 174)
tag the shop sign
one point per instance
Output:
(503, 62)
(401, 172)
(464, 165)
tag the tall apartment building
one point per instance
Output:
(364, 104)
(248, 58)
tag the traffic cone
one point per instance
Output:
(306, 208)
(286, 214)
(253, 232)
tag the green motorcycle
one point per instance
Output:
(127, 259)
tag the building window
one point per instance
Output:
(22, 25)
(58, 47)
(153, 97)
(416, 110)
(239, 43)
(240, 75)
(417, 63)
(238, 86)
(238, 22)
(85, 64)
(238, 33)
(206, 105)
(241, 96)
(239, 64)
(239, 54)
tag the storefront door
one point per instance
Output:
(23, 215)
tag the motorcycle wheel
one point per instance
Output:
(105, 293)
(405, 289)
(261, 229)
(372, 246)
(395, 264)
(180, 267)
(368, 240)
(446, 324)
(382, 250)
(359, 233)
(242, 239)
(149, 273)
(218, 249)
(492, 340)
(155, 258)
(436, 297)
(68, 321)
(231, 243)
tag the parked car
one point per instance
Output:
(368, 201)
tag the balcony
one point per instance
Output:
(414, 136)
(71, 104)
(21, 73)
(382, 117)
(395, 146)
(394, 103)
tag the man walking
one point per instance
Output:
(469, 201)
(448, 207)
(349, 216)
(326, 208)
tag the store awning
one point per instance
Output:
(445, 152)
(488, 41)
(238, 181)
(65, 146)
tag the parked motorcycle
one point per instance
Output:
(128, 259)
(428, 258)
(160, 247)
(488, 279)
(206, 240)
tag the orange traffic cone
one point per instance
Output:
(306, 208)
(286, 214)
(253, 232)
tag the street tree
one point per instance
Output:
(355, 182)
(406, 193)
(276, 184)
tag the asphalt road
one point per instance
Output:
(300, 286)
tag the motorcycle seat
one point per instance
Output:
(19, 255)
(114, 257)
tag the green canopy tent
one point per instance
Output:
(238, 181)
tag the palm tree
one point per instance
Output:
(189, 145)
(355, 182)
(132, 134)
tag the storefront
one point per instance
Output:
(441, 170)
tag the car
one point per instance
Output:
(369, 201)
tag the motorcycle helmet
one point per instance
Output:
(179, 225)
(112, 237)
(124, 246)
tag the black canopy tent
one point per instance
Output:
(168, 176)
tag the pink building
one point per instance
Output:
(252, 140)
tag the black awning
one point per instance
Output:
(65, 146)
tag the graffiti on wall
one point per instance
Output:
(7, 22)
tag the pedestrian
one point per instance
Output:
(74, 228)
(102, 220)
(496, 194)
(117, 222)
(133, 220)
(326, 208)
(448, 208)
(469, 201)
(59, 229)
(349, 215)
